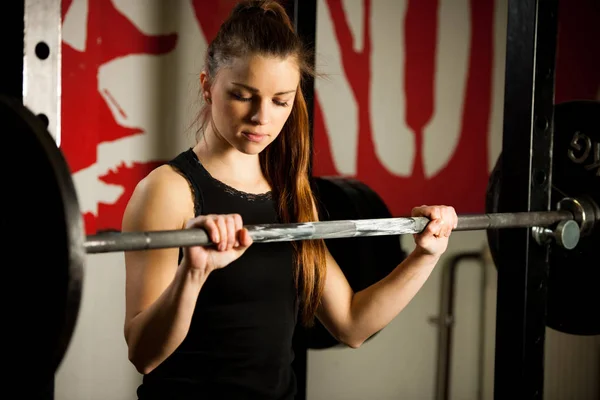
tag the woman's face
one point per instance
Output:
(251, 100)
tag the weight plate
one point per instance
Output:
(337, 202)
(492, 205)
(46, 234)
(573, 301)
(364, 260)
(388, 249)
(354, 269)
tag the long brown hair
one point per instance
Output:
(263, 27)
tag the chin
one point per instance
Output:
(250, 149)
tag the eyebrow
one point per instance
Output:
(255, 90)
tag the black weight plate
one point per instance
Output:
(359, 276)
(388, 249)
(364, 260)
(332, 204)
(573, 295)
(573, 301)
(370, 260)
(45, 232)
(492, 205)
(337, 202)
(385, 252)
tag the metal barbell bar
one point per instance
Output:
(131, 241)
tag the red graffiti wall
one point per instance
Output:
(89, 112)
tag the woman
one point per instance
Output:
(217, 322)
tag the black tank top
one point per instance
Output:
(239, 345)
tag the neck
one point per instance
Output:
(226, 163)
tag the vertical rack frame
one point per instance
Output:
(527, 164)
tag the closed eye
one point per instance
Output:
(239, 97)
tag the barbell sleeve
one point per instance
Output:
(131, 241)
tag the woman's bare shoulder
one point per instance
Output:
(161, 200)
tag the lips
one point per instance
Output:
(254, 136)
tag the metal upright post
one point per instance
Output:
(42, 62)
(31, 66)
(527, 167)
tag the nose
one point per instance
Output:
(260, 113)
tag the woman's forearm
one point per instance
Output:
(155, 333)
(376, 306)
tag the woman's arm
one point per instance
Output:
(160, 294)
(353, 317)
(160, 297)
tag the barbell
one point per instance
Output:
(45, 228)
(567, 232)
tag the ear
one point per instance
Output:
(205, 84)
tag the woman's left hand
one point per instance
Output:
(433, 240)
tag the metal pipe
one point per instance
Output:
(445, 322)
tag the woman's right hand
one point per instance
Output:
(230, 240)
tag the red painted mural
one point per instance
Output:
(458, 184)
(89, 121)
